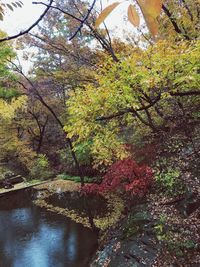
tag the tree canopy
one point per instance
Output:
(121, 112)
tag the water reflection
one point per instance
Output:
(32, 237)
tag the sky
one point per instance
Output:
(22, 18)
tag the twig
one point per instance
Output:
(83, 21)
(30, 28)
(173, 201)
(59, 9)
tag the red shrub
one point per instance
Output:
(124, 175)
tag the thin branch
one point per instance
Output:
(59, 9)
(60, 47)
(31, 27)
(174, 23)
(189, 93)
(83, 21)
(188, 10)
(128, 110)
(131, 110)
(104, 43)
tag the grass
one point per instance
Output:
(76, 179)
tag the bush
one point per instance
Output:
(124, 176)
(168, 179)
(41, 169)
(77, 179)
(180, 248)
(83, 152)
(65, 158)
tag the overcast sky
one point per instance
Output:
(21, 18)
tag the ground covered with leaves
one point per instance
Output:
(163, 230)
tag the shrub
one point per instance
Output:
(41, 169)
(124, 176)
(83, 152)
(180, 248)
(168, 178)
(76, 179)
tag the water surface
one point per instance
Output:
(32, 237)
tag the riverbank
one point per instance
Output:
(143, 236)
(22, 186)
(163, 231)
(34, 237)
(103, 216)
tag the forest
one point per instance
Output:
(110, 120)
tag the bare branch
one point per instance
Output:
(104, 42)
(174, 23)
(188, 93)
(83, 21)
(145, 108)
(129, 110)
(30, 28)
(59, 9)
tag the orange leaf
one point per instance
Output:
(133, 16)
(103, 15)
(152, 24)
(151, 9)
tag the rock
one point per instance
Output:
(128, 247)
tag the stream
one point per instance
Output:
(34, 237)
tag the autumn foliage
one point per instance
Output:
(150, 9)
(124, 176)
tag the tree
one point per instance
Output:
(150, 9)
(12, 103)
(7, 77)
(13, 147)
(142, 92)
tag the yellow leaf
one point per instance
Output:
(133, 16)
(103, 15)
(154, 7)
(151, 9)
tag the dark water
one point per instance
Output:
(97, 205)
(33, 237)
